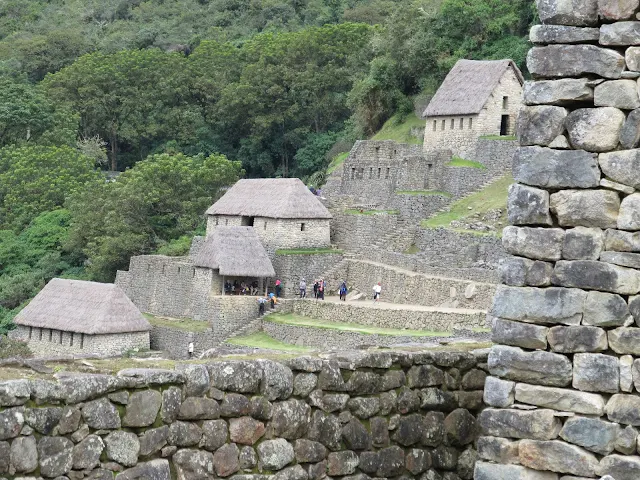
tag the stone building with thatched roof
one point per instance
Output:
(282, 211)
(476, 99)
(75, 316)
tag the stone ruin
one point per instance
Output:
(563, 396)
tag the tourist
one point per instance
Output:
(254, 287)
(272, 299)
(377, 289)
(261, 303)
(321, 286)
(190, 348)
(315, 289)
(278, 288)
(303, 289)
(343, 291)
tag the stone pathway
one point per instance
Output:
(401, 306)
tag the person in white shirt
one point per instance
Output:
(303, 288)
(376, 292)
(190, 349)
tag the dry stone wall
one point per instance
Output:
(563, 390)
(353, 416)
(292, 268)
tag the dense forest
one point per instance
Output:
(185, 96)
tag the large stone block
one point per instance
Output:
(626, 373)
(630, 133)
(528, 206)
(565, 91)
(541, 124)
(620, 34)
(549, 168)
(635, 371)
(619, 467)
(498, 393)
(568, 12)
(621, 94)
(548, 306)
(595, 372)
(577, 339)
(629, 216)
(557, 456)
(562, 399)
(622, 166)
(531, 424)
(586, 208)
(591, 433)
(492, 471)
(517, 334)
(546, 34)
(499, 450)
(623, 408)
(513, 270)
(596, 276)
(617, 9)
(595, 129)
(623, 259)
(241, 377)
(542, 368)
(625, 340)
(574, 61)
(619, 241)
(536, 243)
(581, 243)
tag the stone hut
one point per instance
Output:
(233, 253)
(476, 99)
(282, 211)
(74, 316)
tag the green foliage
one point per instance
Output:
(10, 348)
(401, 129)
(337, 162)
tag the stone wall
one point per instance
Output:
(292, 268)
(174, 342)
(47, 341)
(418, 207)
(379, 414)
(567, 317)
(354, 232)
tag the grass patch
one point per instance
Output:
(178, 323)
(491, 197)
(412, 250)
(462, 162)
(399, 129)
(307, 251)
(262, 340)
(10, 348)
(354, 211)
(422, 192)
(498, 137)
(300, 321)
(336, 162)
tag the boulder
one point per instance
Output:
(290, 419)
(517, 334)
(342, 463)
(308, 451)
(366, 407)
(583, 13)
(595, 372)
(55, 456)
(184, 434)
(199, 408)
(433, 433)
(305, 364)
(581, 243)
(260, 408)
(536, 243)
(123, 447)
(629, 218)
(541, 124)
(234, 405)
(356, 436)
(43, 420)
(409, 430)
(528, 206)
(560, 399)
(390, 462)
(194, 464)
(591, 433)
(197, 379)
(153, 440)
(142, 408)
(248, 459)
(595, 129)
(543, 368)
(546, 34)
(23, 455)
(574, 61)
(214, 434)
(549, 168)
(599, 276)
(547, 306)
(69, 421)
(605, 310)
(171, 401)
(492, 471)
(577, 339)
(86, 454)
(621, 94)
(619, 467)
(14, 392)
(557, 456)
(460, 427)
(531, 424)
(620, 34)
(565, 91)
(275, 454)
(235, 376)
(416, 461)
(101, 414)
(379, 432)
(245, 430)
(625, 340)
(304, 383)
(277, 380)
(617, 9)
(624, 409)
(225, 460)
(586, 208)
(499, 393)
(326, 429)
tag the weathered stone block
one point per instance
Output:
(123, 447)
(290, 419)
(528, 206)
(626, 440)
(601, 276)
(617, 9)
(308, 451)
(629, 139)
(367, 407)
(225, 460)
(623, 408)
(543, 368)
(246, 430)
(424, 376)
(513, 270)
(519, 334)
(546, 34)
(622, 166)
(629, 218)
(595, 372)
(574, 61)
(536, 243)
(571, 12)
(142, 408)
(561, 143)
(591, 208)
(541, 124)
(199, 408)
(605, 310)
(621, 94)
(620, 467)
(595, 129)
(620, 34)
(192, 464)
(391, 462)
(615, 186)
(591, 433)
(101, 414)
(632, 58)
(55, 455)
(626, 375)
(23, 455)
(560, 399)
(539, 274)
(577, 339)
(492, 471)
(557, 456)
(171, 400)
(532, 424)
(548, 168)
(581, 243)
(342, 463)
(631, 260)
(153, 440)
(275, 454)
(417, 461)
(214, 434)
(625, 340)
(499, 450)
(184, 434)
(43, 420)
(619, 241)
(499, 393)
(634, 309)
(14, 392)
(235, 376)
(277, 380)
(548, 306)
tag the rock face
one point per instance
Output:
(568, 13)
(556, 61)
(557, 92)
(595, 129)
(539, 243)
(540, 125)
(549, 168)
(622, 166)
(621, 94)
(528, 206)
(589, 208)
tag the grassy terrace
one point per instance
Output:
(498, 137)
(491, 197)
(299, 321)
(307, 251)
(178, 323)
(336, 162)
(400, 130)
(262, 340)
(461, 162)
(354, 211)
(422, 192)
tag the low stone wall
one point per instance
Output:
(379, 414)
(436, 319)
(356, 232)
(418, 207)
(292, 268)
(174, 342)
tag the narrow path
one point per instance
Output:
(398, 306)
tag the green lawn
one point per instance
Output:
(262, 340)
(491, 197)
(498, 137)
(354, 211)
(178, 323)
(400, 130)
(422, 192)
(307, 251)
(336, 162)
(298, 320)
(461, 162)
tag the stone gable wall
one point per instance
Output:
(566, 317)
(382, 415)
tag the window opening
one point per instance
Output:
(444, 124)
(435, 125)
(470, 123)
(303, 227)
(370, 172)
(50, 334)
(265, 225)
(30, 332)
(60, 337)
(388, 171)
(461, 123)
(71, 341)
(353, 173)
(82, 340)
(216, 221)
(226, 221)
(505, 103)
(453, 126)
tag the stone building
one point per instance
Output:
(74, 316)
(477, 98)
(282, 211)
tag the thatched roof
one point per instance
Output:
(270, 197)
(468, 86)
(83, 307)
(236, 252)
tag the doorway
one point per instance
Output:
(504, 125)
(247, 221)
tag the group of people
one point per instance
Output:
(241, 288)
(319, 287)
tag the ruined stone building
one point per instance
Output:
(74, 316)
(477, 98)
